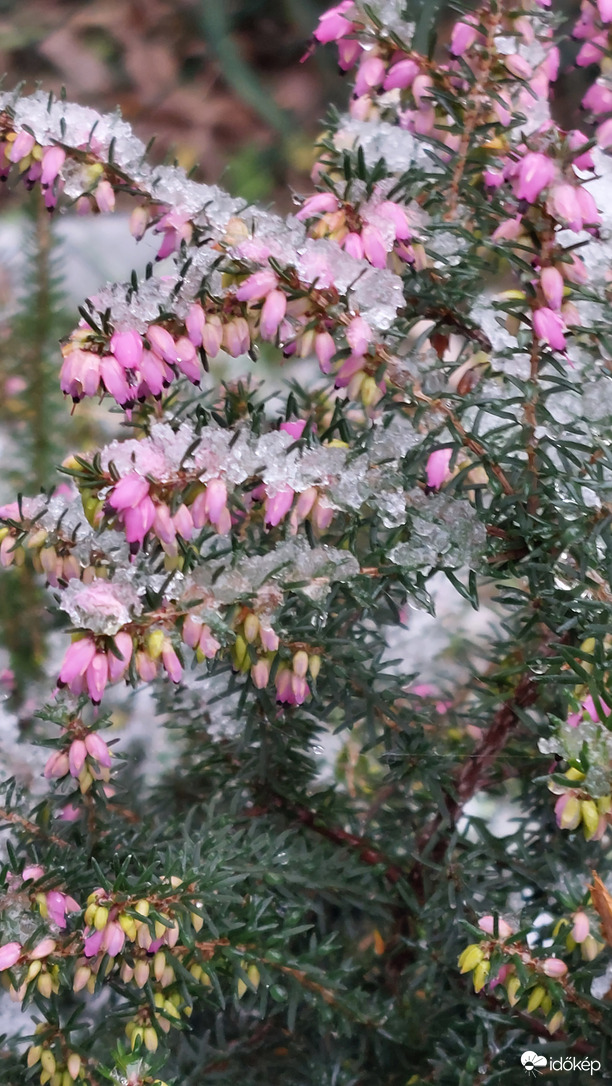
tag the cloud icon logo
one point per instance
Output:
(531, 1061)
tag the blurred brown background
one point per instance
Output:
(218, 82)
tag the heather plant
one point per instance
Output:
(254, 911)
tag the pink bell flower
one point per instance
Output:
(333, 25)
(21, 146)
(77, 659)
(194, 323)
(56, 766)
(359, 335)
(373, 247)
(349, 51)
(551, 282)
(549, 327)
(294, 427)
(171, 663)
(113, 938)
(52, 162)
(10, 954)
(187, 361)
(98, 750)
(535, 172)
(257, 286)
(325, 349)
(117, 667)
(105, 196)
(598, 99)
(127, 348)
(76, 757)
(212, 335)
(463, 36)
(113, 377)
(371, 74)
(93, 943)
(487, 924)
(129, 492)
(554, 967)
(272, 313)
(97, 677)
(208, 644)
(216, 499)
(401, 75)
(277, 507)
(353, 245)
(319, 204)
(437, 468)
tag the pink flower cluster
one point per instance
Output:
(370, 230)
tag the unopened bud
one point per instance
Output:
(470, 958)
(251, 628)
(536, 996)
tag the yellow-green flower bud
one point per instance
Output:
(251, 628)
(590, 817)
(470, 958)
(100, 917)
(513, 986)
(535, 998)
(155, 643)
(481, 975)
